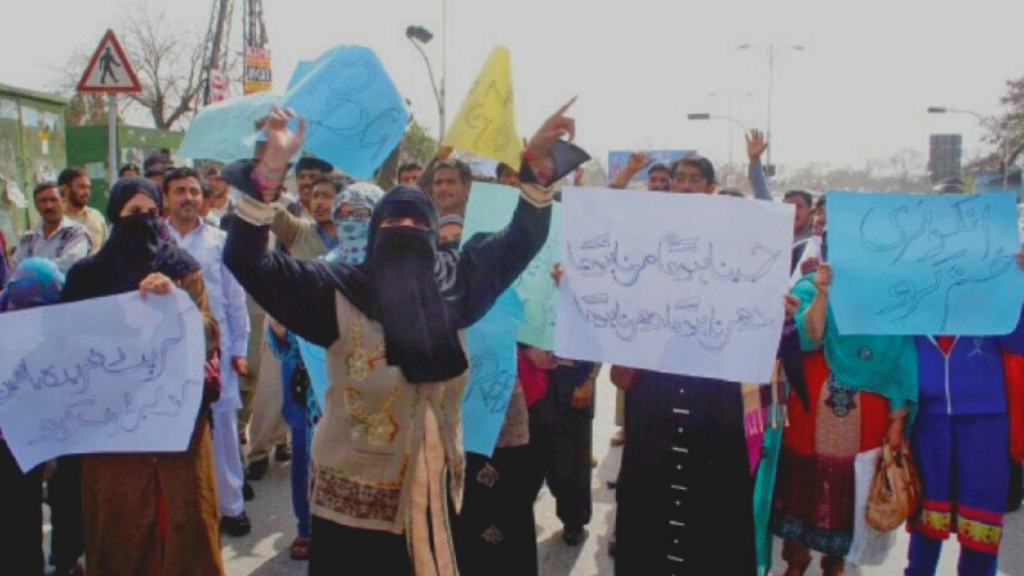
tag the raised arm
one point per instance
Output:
(637, 162)
(299, 294)
(490, 263)
(755, 148)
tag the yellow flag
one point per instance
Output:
(486, 123)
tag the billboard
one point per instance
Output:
(258, 77)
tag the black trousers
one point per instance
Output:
(563, 448)
(337, 550)
(64, 490)
(21, 519)
(495, 535)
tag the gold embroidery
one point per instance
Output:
(378, 428)
(492, 535)
(937, 521)
(488, 476)
(361, 361)
(979, 532)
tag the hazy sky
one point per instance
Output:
(858, 91)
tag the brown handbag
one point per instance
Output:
(895, 490)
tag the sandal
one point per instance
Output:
(300, 548)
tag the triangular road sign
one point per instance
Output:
(109, 69)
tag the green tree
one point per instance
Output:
(417, 145)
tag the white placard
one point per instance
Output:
(682, 283)
(112, 374)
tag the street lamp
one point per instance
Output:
(987, 123)
(736, 122)
(729, 98)
(772, 48)
(418, 36)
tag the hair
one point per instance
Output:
(45, 185)
(158, 158)
(207, 191)
(734, 192)
(807, 197)
(69, 175)
(407, 166)
(212, 171)
(658, 167)
(706, 168)
(179, 174)
(465, 172)
(129, 166)
(328, 179)
(154, 173)
(819, 202)
(501, 169)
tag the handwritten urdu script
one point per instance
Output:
(134, 386)
(925, 264)
(688, 284)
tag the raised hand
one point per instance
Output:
(554, 128)
(638, 161)
(756, 145)
(282, 142)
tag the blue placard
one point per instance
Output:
(315, 358)
(490, 209)
(225, 131)
(924, 264)
(491, 345)
(355, 114)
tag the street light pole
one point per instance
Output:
(729, 96)
(442, 103)
(418, 35)
(987, 123)
(707, 116)
(771, 84)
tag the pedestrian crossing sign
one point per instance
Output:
(109, 69)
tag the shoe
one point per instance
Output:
(300, 548)
(283, 453)
(257, 469)
(618, 439)
(236, 525)
(574, 535)
(248, 494)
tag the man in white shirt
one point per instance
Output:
(55, 237)
(183, 194)
(76, 188)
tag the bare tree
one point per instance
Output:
(168, 56)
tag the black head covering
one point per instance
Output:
(138, 246)
(310, 163)
(404, 284)
(125, 189)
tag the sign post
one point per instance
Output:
(110, 72)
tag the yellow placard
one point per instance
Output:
(486, 122)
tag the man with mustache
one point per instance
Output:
(183, 195)
(76, 188)
(55, 237)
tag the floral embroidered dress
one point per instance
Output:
(387, 455)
